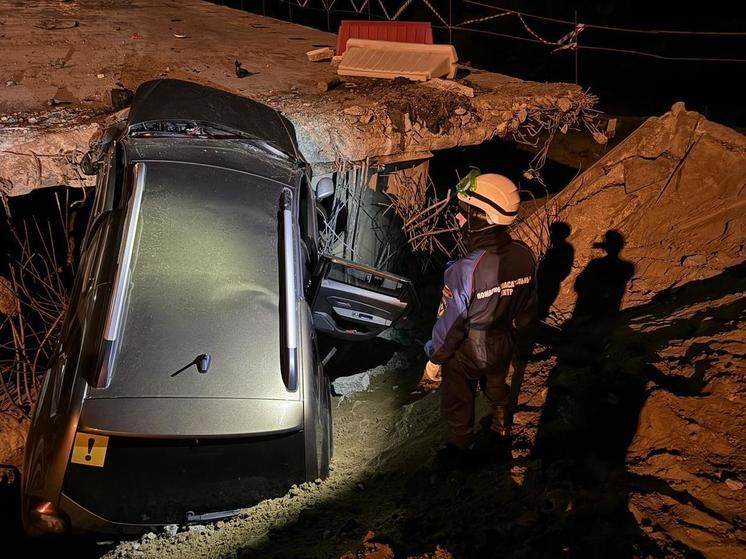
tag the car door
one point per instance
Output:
(356, 302)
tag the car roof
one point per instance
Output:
(175, 100)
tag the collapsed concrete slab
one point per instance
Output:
(674, 191)
(120, 44)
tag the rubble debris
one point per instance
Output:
(242, 72)
(13, 432)
(354, 110)
(611, 128)
(121, 98)
(53, 102)
(452, 86)
(171, 530)
(389, 59)
(319, 55)
(35, 159)
(600, 138)
(370, 549)
(347, 386)
(326, 85)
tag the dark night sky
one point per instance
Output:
(627, 84)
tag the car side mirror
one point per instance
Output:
(324, 189)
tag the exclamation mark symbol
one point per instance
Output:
(90, 448)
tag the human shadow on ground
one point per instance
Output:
(554, 267)
(596, 391)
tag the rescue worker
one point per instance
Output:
(487, 295)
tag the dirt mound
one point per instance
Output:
(674, 191)
(640, 427)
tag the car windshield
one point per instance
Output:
(204, 278)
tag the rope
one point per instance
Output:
(494, 33)
(620, 29)
(661, 57)
(482, 19)
(532, 32)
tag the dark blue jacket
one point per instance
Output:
(487, 295)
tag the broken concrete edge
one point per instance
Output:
(319, 55)
(366, 130)
(48, 152)
(449, 85)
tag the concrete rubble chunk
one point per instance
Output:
(453, 87)
(328, 84)
(347, 386)
(318, 55)
(354, 110)
(388, 59)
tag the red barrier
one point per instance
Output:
(400, 31)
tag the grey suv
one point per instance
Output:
(187, 382)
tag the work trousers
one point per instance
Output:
(462, 374)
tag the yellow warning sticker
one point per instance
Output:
(90, 450)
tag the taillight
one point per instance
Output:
(45, 518)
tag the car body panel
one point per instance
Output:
(189, 417)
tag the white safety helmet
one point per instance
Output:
(497, 196)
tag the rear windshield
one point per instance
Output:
(204, 276)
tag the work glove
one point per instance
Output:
(432, 373)
(429, 382)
